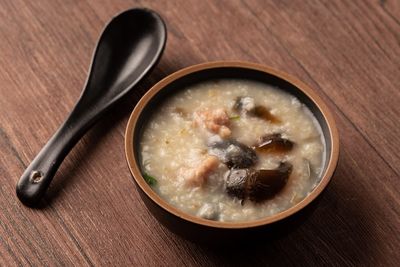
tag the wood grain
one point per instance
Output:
(348, 51)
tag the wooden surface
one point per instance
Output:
(347, 51)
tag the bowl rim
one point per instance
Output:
(137, 175)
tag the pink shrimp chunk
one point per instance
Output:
(199, 175)
(215, 121)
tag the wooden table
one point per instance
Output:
(347, 51)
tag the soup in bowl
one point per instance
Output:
(229, 146)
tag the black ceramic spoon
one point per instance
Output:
(130, 45)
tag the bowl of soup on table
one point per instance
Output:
(227, 149)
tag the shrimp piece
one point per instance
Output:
(216, 121)
(198, 176)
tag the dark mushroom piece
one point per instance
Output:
(263, 113)
(273, 143)
(233, 153)
(246, 105)
(257, 185)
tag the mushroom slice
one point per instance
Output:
(233, 153)
(263, 113)
(274, 143)
(257, 185)
(247, 105)
(264, 184)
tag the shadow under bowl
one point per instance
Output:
(203, 230)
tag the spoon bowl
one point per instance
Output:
(130, 46)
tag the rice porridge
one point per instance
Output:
(232, 150)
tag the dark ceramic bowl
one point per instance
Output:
(199, 229)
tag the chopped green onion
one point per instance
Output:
(149, 179)
(234, 117)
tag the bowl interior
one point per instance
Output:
(190, 76)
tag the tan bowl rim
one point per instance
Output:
(137, 175)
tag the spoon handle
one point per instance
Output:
(37, 177)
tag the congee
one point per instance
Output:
(232, 150)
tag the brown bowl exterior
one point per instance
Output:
(202, 230)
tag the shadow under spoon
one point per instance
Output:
(129, 47)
